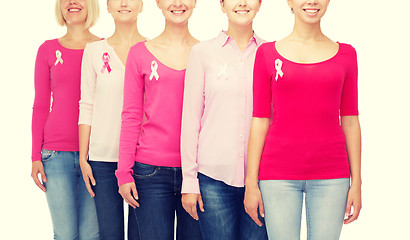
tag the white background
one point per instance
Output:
(379, 30)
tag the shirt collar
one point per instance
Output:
(223, 39)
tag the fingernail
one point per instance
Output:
(263, 215)
(347, 214)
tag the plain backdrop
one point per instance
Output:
(377, 29)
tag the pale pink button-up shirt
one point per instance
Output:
(217, 111)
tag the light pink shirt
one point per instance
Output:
(217, 111)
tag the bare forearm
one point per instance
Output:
(84, 140)
(351, 129)
(259, 129)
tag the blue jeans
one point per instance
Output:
(159, 192)
(110, 204)
(225, 217)
(71, 207)
(325, 207)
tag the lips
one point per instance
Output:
(242, 11)
(311, 11)
(124, 11)
(74, 10)
(178, 11)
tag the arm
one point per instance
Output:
(193, 108)
(351, 129)
(262, 98)
(88, 83)
(253, 197)
(130, 128)
(41, 109)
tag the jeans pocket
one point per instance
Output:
(144, 170)
(47, 155)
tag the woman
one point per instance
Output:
(102, 86)
(55, 132)
(149, 159)
(216, 121)
(313, 144)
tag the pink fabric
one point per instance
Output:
(157, 140)
(57, 80)
(305, 140)
(217, 111)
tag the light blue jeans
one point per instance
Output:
(71, 207)
(325, 202)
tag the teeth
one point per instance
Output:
(73, 10)
(241, 11)
(178, 11)
(311, 10)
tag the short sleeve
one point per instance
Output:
(349, 102)
(262, 93)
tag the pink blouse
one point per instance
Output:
(305, 140)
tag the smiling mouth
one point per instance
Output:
(74, 9)
(312, 11)
(124, 11)
(242, 11)
(178, 11)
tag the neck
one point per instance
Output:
(307, 32)
(241, 34)
(77, 33)
(126, 33)
(176, 34)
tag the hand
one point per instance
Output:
(189, 202)
(253, 201)
(354, 199)
(88, 176)
(36, 168)
(129, 192)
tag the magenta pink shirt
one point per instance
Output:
(156, 91)
(217, 111)
(57, 83)
(305, 140)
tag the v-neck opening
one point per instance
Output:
(146, 48)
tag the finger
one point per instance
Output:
(348, 208)
(43, 175)
(261, 209)
(194, 213)
(254, 215)
(38, 183)
(201, 204)
(130, 200)
(88, 185)
(356, 212)
(135, 197)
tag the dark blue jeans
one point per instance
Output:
(109, 203)
(225, 217)
(159, 192)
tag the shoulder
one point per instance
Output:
(48, 44)
(266, 48)
(138, 49)
(95, 47)
(347, 49)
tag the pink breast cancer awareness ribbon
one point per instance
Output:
(59, 59)
(154, 73)
(278, 67)
(106, 59)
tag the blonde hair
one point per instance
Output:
(92, 15)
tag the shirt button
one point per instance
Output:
(241, 155)
(241, 136)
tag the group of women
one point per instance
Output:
(228, 134)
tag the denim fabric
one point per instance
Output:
(72, 209)
(325, 202)
(225, 217)
(110, 204)
(159, 192)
